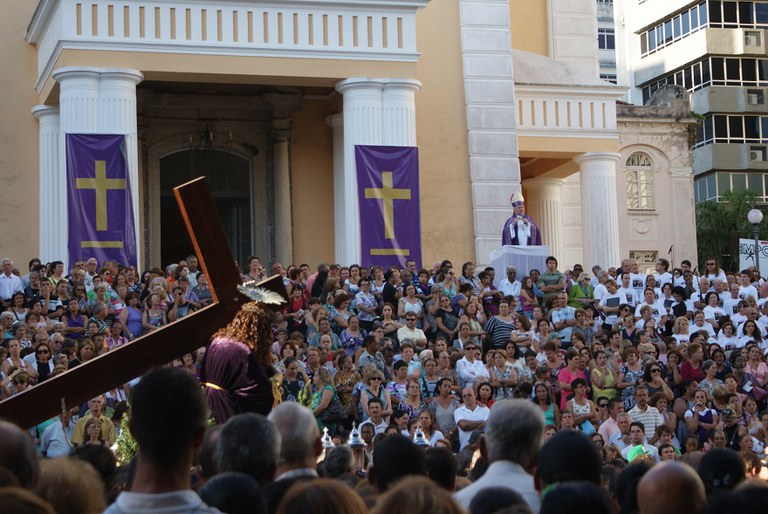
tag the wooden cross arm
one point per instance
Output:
(116, 367)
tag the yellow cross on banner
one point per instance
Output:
(388, 194)
(100, 184)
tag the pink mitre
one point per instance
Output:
(516, 199)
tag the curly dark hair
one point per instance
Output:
(252, 326)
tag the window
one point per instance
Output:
(638, 172)
(610, 77)
(732, 128)
(606, 40)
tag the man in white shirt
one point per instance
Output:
(9, 283)
(511, 447)
(57, 437)
(468, 369)
(563, 318)
(470, 417)
(637, 438)
(510, 286)
(745, 286)
(599, 290)
(637, 279)
(375, 408)
(610, 302)
(627, 291)
(662, 275)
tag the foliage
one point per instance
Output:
(719, 225)
(127, 447)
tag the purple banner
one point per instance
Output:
(388, 193)
(101, 222)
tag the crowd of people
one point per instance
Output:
(539, 391)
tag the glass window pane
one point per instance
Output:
(721, 126)
(765, 182)
(746, 13)
(652, 40)
(685, 20)
(707, 129)
(755, 183)
(705, 76)
(761, 12)
(764, 128)
(668, 31)
(723, 183)
(732, 69)
(718, 72)
(739, 181)
(749, 70)
(711, 186)
(752, 127)
(763, 67)
(687, 78)
(694, 18)
(643, 43)
(735, 127)
(729, 13)
(715, 15)
(676, 27)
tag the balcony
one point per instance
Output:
(379, 30)
(554, 99)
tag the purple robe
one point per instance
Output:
(507, 239)
(237, 382)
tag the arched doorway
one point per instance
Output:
(229, 177)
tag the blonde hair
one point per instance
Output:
(71, 486)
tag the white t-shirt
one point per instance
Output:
(630, 296)
(480, 413)
(663, 278)
(612, 300)
(745, 291)
(657, 311)
(637, 282)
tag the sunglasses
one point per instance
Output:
(603, 405)
(43, 352)
(655, 370)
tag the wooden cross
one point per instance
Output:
(118, 366)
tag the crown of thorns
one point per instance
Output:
(259, 296)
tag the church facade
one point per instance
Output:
(269, 99)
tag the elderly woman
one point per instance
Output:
(43, 365)
(93, 435)
(581, 294)
(372, 387)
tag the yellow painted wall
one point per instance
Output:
(19, 216)
(232, 69)
(530, 26)
(447, 229)
(312, 183)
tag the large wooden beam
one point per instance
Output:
(159, 347)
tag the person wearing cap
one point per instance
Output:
(520, 229)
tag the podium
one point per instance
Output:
(524, 258)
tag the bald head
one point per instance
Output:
(17, 454)
(671, 488)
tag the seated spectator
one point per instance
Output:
(250, 444)
(511, 446)
(17, 455)
(234, 493)
(394, 458)
(442, 467)
(417, 495)
(321, 496)
(71, 486)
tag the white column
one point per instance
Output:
(79, 114)
(99, 101)
(117, 115)
(52, 202)
(362, 126)
(282, 172)
(599, 214)
(542, 202)
(398, 112)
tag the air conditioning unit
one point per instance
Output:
(752, 39)
(757, 155)
(753, 99)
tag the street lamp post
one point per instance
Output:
(755, 217)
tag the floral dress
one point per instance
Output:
(351, 343)
(503, 392)
(628, 393)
